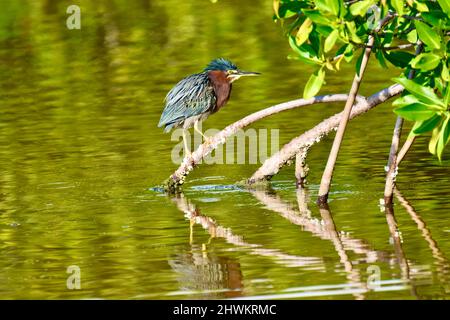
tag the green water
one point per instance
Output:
(80, 152)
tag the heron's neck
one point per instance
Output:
(221, 85)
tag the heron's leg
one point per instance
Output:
(191, 230)
(187, 151)
(207, 139)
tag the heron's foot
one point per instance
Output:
(187, 154)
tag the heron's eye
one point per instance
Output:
(231, 71)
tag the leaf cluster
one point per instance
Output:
(326, 32)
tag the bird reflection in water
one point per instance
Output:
(187, 266)
(203, 271)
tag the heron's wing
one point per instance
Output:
(191, 96)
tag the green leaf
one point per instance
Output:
(427, 125)
(399, 59)
(422, 7)
(426, 61)
(288, 9)
(398, 6)
(424, 94)
(276, 7)
(445, 5)
(334, 6)
(444, 136)
(288, 14)
(416, 125)
(434, 17)
(433, 141)
(444, 73)
(304, 31)
(351, 27)
(439, 85)
(388, 36)
(358, 62)
(314, 83)
(308, 56)
(447, 95)
(300, 58)
(342, 9)
(331, 6)
(317, 17)
(331, 40)
(348, 53)
(415, 112)
(428, 35)
(380, 57)
(360, 8)
(405, 100)
(342, 49)
(412, 36)
(324, 30)
(316, 40)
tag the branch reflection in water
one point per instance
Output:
(441, 262)
(203, 272)
(396, 241)
(326, 230)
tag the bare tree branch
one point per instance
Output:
(327, 175)
(404, 150)
(189, 163)
(273, 164)
(392, 170)
(398, 47)
(393, 158)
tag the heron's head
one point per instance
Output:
(232, 72)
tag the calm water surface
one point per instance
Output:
(80, 153)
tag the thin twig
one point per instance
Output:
(395, 141)
(328, 172)
(399, 122)
(398, 47)
(404, 150)
(395, 159)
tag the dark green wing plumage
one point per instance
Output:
(192, 96)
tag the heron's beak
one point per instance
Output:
(239, 73)
(247, 73)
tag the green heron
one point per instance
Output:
(197, 96)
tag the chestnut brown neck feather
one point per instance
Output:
(222, 87)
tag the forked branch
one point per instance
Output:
(190, 162)
(273, 164)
